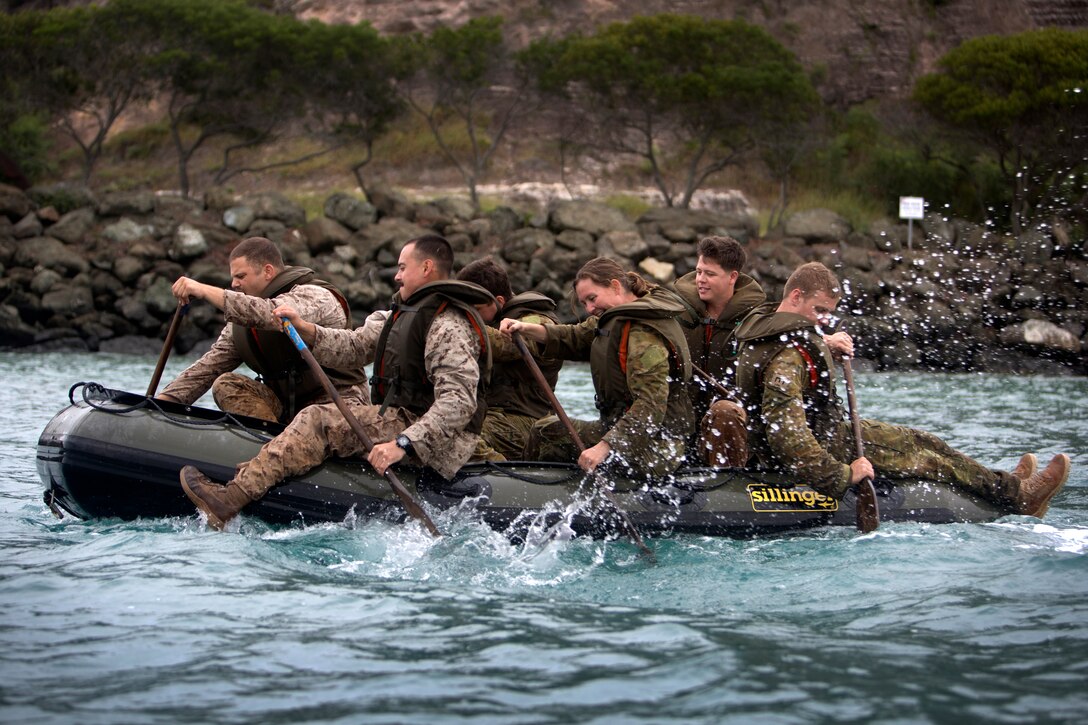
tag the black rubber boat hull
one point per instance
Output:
(117, 455)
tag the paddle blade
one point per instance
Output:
(868, 510)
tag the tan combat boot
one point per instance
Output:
(219, 503)
(1037, 490)
(1027, 466)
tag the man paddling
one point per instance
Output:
(786, 379)
(514, 399)
(260, 282)
(430, 354)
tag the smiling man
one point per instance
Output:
(786, 378)
(718, 295)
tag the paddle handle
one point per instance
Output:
(722, 390)
(852, 403)
(410, 504)
(546, 388)
(542, 382)
(868, 510)
(167, 346)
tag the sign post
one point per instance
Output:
(911, 208)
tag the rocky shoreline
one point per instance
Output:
(87, 272)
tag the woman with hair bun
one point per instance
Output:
(640, 364)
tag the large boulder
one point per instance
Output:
(239, 218)
(323, 234)
(389, 202)
(350, 211)
(661, 272)
(457, 207)
(588, 216)
(14, 204)
(276, 206)
(627, 244)
(68, 300)
(1041, 335)
(13, 331)
(29, 226)
(189, 243)
(817, 226)
(51, 254)
(73, 226)
(119, 203)
(688, 225)
(388, 233)
(126, 231)
(1035, 245)
(63, 196)
(524, 244)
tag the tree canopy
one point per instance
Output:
(675, 98)
(465, 75)
(687, 95)
(1023, 98)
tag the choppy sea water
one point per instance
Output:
(166, 621)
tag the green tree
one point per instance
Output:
(464, 75)
(222, 69)
(83, 68)
(686, 95)
(1024, 99)
(21, 126)
(349, 73)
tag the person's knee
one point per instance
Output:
(726, 411)
(229, 383)
(724, 435)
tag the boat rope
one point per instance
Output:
(106, 400)
(570, 474)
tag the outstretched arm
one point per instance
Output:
(187, 289)
(531, 330)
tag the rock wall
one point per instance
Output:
(94, 273)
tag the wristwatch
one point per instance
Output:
(404, 443)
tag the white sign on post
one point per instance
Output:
(912, 207)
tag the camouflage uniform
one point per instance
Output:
(721, 438)
(440, 440)
(645, 411)
(514, 399)
(786, 377)
(240, 394)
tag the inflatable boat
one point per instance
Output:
(114, 454)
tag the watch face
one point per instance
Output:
(404, 441)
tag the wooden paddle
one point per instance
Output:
(167, 346)
(868, 511)
(722, 390)
(410, 504)
(625, 520)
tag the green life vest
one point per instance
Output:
(608, 358)
(712, 341)
(273, 356)
(513, 386)
(763, 335)
(400, 376)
